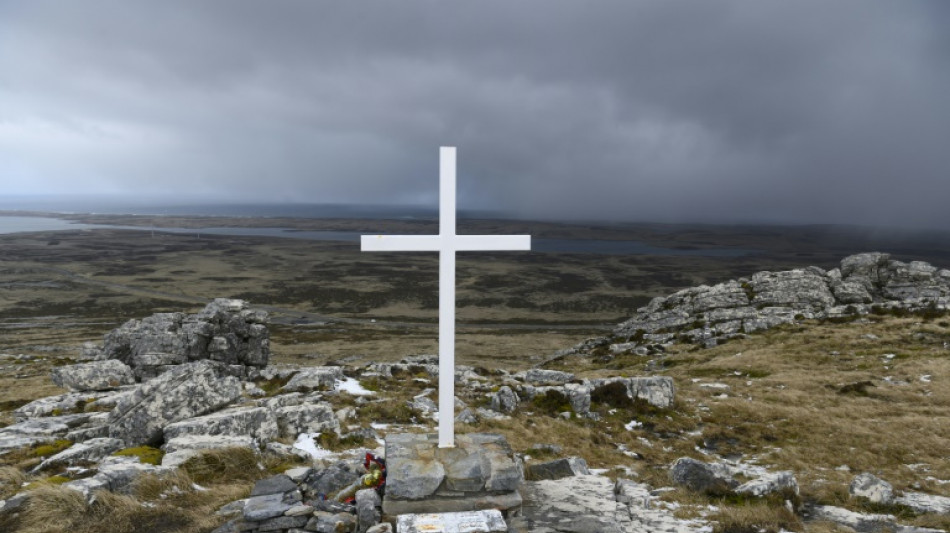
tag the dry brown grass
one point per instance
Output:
(11, 479)
(183, 510)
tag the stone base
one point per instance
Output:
(479, 473)
(489, 521)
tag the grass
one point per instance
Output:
(46, 450)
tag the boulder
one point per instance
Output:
(505, 400)
(278, 484)
(703, 477)
(314, 378)
(94, 376)
(772, 482)
(187, 391)
(557, 469)
(872, 488)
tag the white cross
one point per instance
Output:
(446, 243)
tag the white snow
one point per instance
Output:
(632, 424)
(352, 386)
(307, 442)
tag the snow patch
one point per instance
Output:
(352, 386)
(308, 443)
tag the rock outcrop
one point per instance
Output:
(188, 391)
(706, 315)
(226, 330)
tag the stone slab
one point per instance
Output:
(487, 521)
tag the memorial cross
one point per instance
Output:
(446, 243)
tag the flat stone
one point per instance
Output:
(282, 523)
(488, 521)
(924, 503)
(278, 484)
(331, 523)
(260, 508)
(329, 481)
(300, 510)
(298, 474)
(458, 503)
(557, 469)
(91, 450)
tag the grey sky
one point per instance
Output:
(805, 111)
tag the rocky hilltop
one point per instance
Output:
(708, 315)
(173, 395)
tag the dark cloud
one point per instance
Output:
(807, 111)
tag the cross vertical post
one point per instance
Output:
(446, 243)
(447, 206)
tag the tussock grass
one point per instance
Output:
(755, 517)
(224, 465)
(11, 479)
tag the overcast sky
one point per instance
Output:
(758, 110)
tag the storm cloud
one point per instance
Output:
(724, 111)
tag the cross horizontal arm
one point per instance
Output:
(485, 243)
(400, 243)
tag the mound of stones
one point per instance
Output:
(864, 283)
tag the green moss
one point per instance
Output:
(46, 450)
(146, 454)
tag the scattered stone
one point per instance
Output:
(258, 508)
(769, 483)
(505, 400)
(560, 468)
(326, 483)
(538, 376)
(385, 527)
(324, 522)
(232, 509)
(702, 477)
(278, 484)
(862, 523)
(299, 474)
(314, 378)
(872, 488)
(308, 418)
(466, 416)
(95, 376)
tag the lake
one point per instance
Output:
(14, 224)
